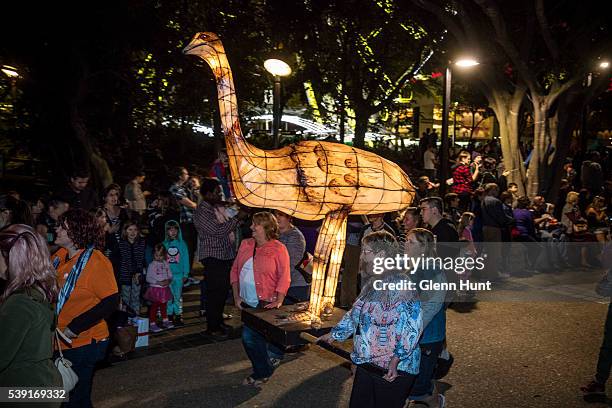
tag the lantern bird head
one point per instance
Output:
(202, 45)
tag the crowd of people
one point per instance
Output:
(98, 262)
(94, 264)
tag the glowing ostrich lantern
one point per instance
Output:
(310, 180)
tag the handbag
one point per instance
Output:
(126, 338)
(64, 366)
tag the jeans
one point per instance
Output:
(423, 386)
(604, 363)
(217, 276)
(372, 391)
(130, 296)
(257, 350)
(532, 249)
(83, 361)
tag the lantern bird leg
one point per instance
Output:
(326, 262)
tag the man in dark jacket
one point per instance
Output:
(78, 193)
(494, 221)
(432, 210)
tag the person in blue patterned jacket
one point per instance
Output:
(386, 326)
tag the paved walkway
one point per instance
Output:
(507, 354)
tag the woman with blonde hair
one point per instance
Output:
(570, 210)
(260, 278)
(27, 317)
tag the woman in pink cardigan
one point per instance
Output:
(260, 277)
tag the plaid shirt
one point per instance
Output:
(214, 236)
(462, 179)
(179, 192)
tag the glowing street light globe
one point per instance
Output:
(467, 62)
(10, 71)
(604, 64)
(277, 67)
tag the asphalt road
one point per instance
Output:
(507, 354)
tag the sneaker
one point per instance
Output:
(154, 328)
(255, 383)
(417, 404)
(178, 320)
(218, 335)
(191, 281)
(167, 324)
(275, 362)
(593, 388)
(431, 401)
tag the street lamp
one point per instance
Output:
(586, 111)
(12, 74)
(446, 97)
(278, 69)
(9, 71)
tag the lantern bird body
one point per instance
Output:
(310, 180)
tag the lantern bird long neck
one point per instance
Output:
(214, 55)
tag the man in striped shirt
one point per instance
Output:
(216, 252)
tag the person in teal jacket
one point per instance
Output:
(178, 258)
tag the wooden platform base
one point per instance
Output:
(278, 327)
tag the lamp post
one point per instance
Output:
(601, 65)
(278, 69)
(446, 97)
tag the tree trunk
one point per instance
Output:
(93, 157)
(506, 108)
(538, 165)
(562, 128)
(567, 118)
(102, 172)
(361, 127)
